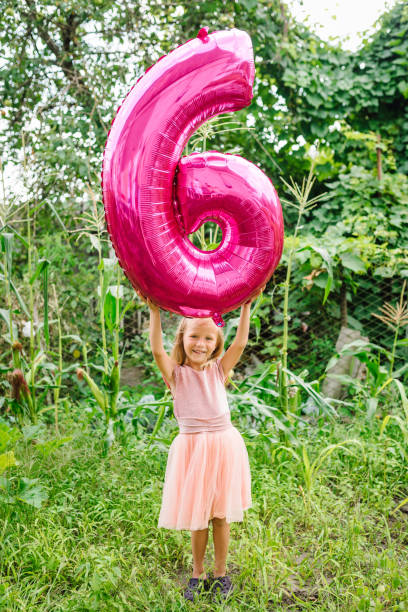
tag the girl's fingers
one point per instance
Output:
(146, 300)
(142, 297)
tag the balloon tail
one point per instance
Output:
(218, 320)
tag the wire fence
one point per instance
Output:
(314, 328)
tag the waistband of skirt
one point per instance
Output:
(196, 425)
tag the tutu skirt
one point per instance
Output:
(207, 476)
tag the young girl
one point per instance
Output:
(207, 475)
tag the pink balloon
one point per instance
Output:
(154, 200)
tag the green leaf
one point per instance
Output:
(6, 316)
(384, 272)
(403, 87)
(19, 236)
(327, 281)
(46, 448)
(403, 396)
(160, 418)
(45, 295)
(32, 432)
(29, 492)
(55, 213)
(109, 271)
(19, 299)
(6, 242)
(319, 399)
(96, 243)
(352, 262)
(372, 404)
(8, 436)
(314, 100)
(384, 423)
(42, 263)
(327, 288)
(249, 4)
(7, 460)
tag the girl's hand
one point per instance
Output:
(252, 299)
(147, 301)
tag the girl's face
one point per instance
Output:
(199, 340)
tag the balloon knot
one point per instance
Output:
(218, 320)
(203, 34)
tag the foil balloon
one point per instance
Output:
(154, 199)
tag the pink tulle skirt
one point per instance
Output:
(207, 476)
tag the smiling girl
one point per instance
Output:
(207, 475)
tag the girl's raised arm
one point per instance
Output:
(233, 353)
(164, 363)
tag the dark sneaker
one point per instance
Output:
(221, 587)
(195, 587)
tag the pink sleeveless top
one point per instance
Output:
(200, 399)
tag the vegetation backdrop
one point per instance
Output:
(85, 423)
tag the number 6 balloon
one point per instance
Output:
(153, 199)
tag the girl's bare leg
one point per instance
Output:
(199, 541)
(221, 535)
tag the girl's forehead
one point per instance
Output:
(205, 326)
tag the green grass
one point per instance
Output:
(94, 545)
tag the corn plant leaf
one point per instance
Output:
(97, 367)
(372, 404)
(19, 236)
(319, 399)
(110, 310)
(159, 421)
(290, 450)
(398, 373)
(19, 299)
(45, 296)
(384, 423)
(384, 384)
(126, 308)
(42, 263)
(403, 396)
(72, 337)
(109, 270)
(6, 316)
(267, 370)
(305, 456)
(326, 452)
(257, 324)
(6, 242)
(38, 359)
(96, 243)
(404, 501)
(56, 215)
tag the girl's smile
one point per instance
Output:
(200, 340)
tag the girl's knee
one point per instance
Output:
(219, 522)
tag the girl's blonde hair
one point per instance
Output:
(178, 353)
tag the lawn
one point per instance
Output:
(94, 544)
